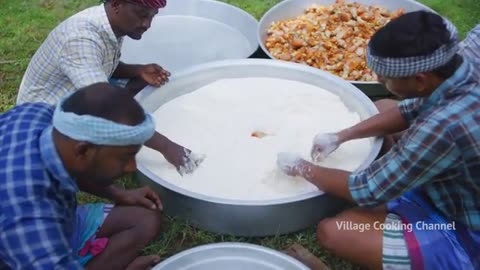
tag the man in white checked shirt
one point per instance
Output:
(85, 49)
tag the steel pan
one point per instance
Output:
(191, 32)
(292, 8)
(252, 218)
(231, 256)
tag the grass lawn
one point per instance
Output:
(26, 23)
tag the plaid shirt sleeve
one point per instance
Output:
(422, 153)
(470, 46)
(81, 61)
(470, 49)
(409, 108)
(35, 239)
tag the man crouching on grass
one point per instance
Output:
(48, 155)
(430, 177)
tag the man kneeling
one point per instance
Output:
(48, 155)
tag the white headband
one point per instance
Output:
(403, 67)
(101, 131)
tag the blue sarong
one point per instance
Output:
(89, 218)
(452, 247)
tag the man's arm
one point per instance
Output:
(159, 142)
(141, 75)
(395, 119)
(421, 154)
(126, 71)
(80, 60)
(175, 154)
(132, 73)
(36, 238)
(144, 196)
(331, 181)
(379, 125)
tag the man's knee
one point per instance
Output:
(327, 231)
(385, 104)
(150, 224)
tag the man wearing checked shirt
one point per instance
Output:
(419, 202)
(85, 49)
(47, 155)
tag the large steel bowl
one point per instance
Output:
(292, 8)
(186, 33)
(252, 218)
(231, 256)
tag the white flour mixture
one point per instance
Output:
(241, 125)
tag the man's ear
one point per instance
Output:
(84, 152)
(422, 81)
(115, 4)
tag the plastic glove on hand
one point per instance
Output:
(289, 163)
(323, 145)
(192, 162)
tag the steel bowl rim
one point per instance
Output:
(211, 246)
(376, 146)
(237, 9)
(285, 2)
(221, 4)
(233, 7)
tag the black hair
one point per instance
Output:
(414, 34)
(105, 101)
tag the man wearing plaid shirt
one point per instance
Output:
(47, 155)
(85, 49)
(419, 201)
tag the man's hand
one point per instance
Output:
(144, 196)
(323, 145)
(154, 74)
(182, 158)
(292, 164)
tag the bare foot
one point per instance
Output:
(303, 255)
(144, 262)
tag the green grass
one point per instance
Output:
(25, 24)
(465, 14)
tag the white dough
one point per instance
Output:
(218, 119)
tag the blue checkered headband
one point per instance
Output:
(408, 66)
(101, 131)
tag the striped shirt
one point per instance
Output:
(439, 153)
(37, 212)
(81, 51)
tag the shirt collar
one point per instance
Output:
(462, 76)
(52, 160)
(105, 23)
